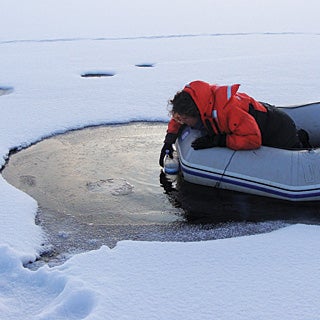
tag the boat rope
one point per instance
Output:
(225, 169)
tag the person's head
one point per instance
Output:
(184, 110)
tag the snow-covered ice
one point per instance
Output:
(270, 47)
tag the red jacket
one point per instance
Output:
(227, 111)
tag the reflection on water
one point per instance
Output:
(103, 184)
(203, 204)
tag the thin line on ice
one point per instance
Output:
(152, 37)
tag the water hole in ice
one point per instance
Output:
(5, 90)
(103, 184)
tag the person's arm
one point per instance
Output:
(169, 140)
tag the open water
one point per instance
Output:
(101, 185)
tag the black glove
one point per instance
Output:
(207, 141)
(168, 142)
(166, 146)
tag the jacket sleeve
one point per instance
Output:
(173, 126)
(244, 133)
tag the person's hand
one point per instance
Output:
(204, 142)
(169, 140)
(209, 141)
(166, 146)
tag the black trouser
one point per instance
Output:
(277, 128)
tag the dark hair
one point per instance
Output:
(183, 104)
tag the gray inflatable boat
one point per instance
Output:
(284, 174)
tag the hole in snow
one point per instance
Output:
(103, 184)
(97, 74)
(5, 90)
(145, 65)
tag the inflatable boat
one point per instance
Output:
(292, 175)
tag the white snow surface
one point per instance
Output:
(270, 47)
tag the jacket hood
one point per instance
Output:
(201, 94)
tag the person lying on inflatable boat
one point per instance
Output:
(230, 119)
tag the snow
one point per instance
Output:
(270, 47)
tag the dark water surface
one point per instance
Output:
(103, 184)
